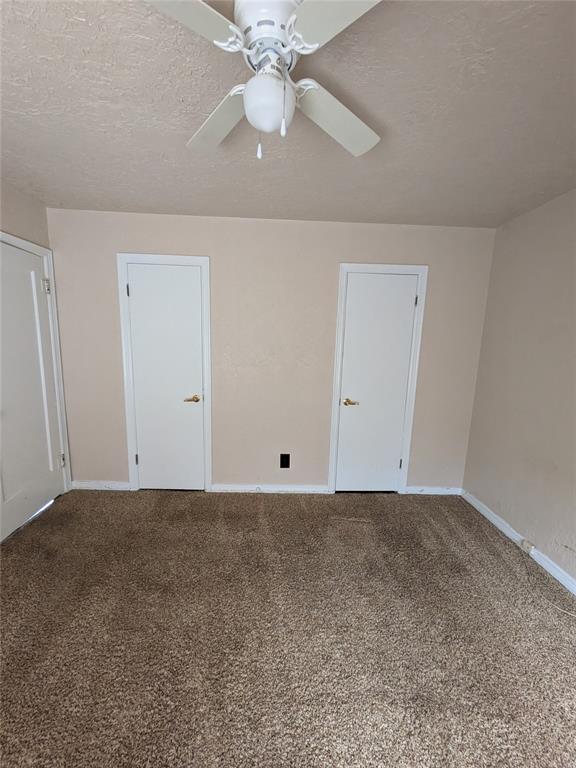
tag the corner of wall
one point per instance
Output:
(479, 359)
(23, 215)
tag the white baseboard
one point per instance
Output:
(495, 519)
(554, 570)
(100, 485)
(120, 485)
(248, 488)
(431, 490)
(567, 581)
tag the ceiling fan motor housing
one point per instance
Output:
(263, 23)
(269, 97)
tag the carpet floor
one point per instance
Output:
(197, 630)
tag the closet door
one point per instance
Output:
(165, 310)
(379, 317)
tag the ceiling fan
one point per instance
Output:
(272, 35)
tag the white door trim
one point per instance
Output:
(387, 269)
(48, 264)
(124, 259)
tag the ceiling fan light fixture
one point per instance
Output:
(269, 102)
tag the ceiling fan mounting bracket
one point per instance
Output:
(304, 85)
(235, 43)
(273, 48)
(264, 29)
(296, 41)
(238, 90)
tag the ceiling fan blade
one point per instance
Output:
(197, 16)
(219, 124)
(337, 120)
(318, 21)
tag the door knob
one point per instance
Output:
(193, 399)
(347, 401)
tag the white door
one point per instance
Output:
(31, 473)
(165, 307)
(379, 314)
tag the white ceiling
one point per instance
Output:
(475, 103)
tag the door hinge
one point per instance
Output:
(127, 290)
(400, 463)
(136, 458)
(46, 287)
(416, 301)
(62, 459)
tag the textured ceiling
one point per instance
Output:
(475, 103)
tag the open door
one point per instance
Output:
(33, 456)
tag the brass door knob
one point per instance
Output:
(347, 401)
(193, 399)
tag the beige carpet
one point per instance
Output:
(197, 630)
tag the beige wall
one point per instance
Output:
(22, 215)
(273, 294)
(521, 459)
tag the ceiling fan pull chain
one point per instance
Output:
(259, 151)
(283, 123)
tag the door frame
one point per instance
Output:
(124, 259)
(346, 269)
(48, 264)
